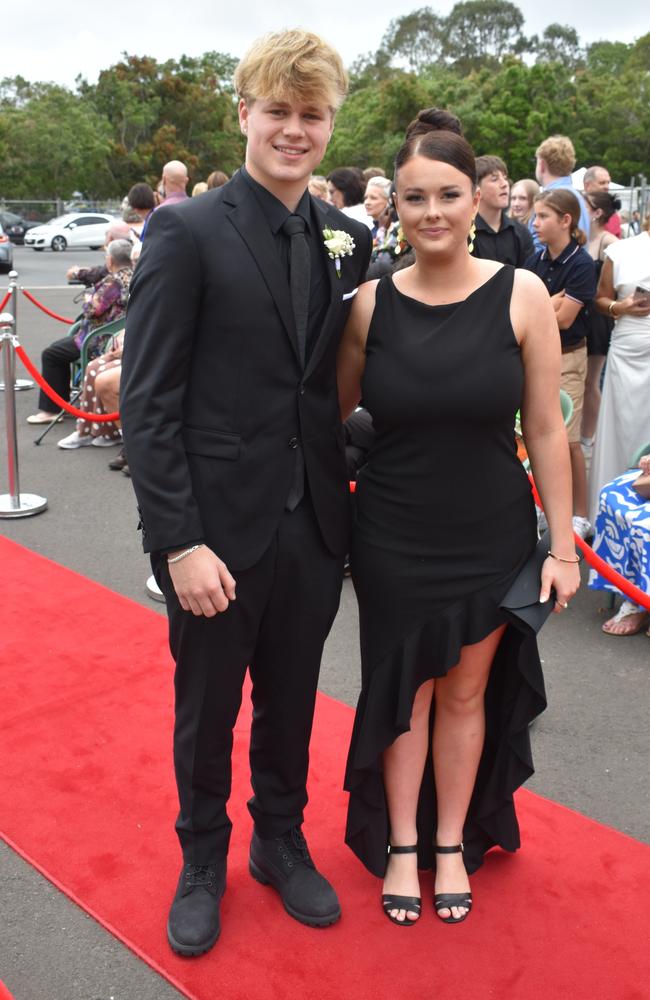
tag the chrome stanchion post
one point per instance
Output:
(19, 384)
(14, 503)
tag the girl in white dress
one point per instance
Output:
(624, 419)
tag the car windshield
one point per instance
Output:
(9, 219)
(60, 220)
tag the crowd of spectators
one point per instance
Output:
(594, 260)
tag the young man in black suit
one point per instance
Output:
(498, 237)
(231, 423)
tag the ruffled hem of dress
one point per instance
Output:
(514, 697)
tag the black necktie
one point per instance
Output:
(299, 277)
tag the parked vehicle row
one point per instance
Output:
(6, 252)
(15, 226)
(75, 229)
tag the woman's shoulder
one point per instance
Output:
(527, 283)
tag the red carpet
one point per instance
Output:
(86, 795)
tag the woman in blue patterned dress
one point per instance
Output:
(622, 539)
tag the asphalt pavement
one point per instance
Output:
(590, 747)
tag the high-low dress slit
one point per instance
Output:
(444, 520)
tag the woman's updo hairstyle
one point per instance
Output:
(607, 204)
(437, 135)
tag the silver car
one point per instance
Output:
(6, 252)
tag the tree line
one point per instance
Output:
(510, 92)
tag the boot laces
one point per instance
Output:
(198, 875)
(297, 845)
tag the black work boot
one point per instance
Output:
(194, 924)
(285, 863)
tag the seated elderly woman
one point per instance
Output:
(100, 395)
(622, 539)
(105, 303)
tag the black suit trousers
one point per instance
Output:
(55, 368)
(277, 626)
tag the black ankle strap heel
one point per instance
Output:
(411, 904)
(445, 900)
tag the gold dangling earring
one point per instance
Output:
(472, 234)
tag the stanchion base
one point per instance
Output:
(29, 504)
(19, 385)
(153, 590)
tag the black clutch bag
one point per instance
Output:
(521, 604)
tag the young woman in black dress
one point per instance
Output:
(444, 353)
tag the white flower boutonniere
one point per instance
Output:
(338, 244)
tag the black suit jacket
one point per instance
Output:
(213, 396)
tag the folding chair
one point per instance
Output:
(95, 342)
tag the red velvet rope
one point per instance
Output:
(93, 418)
(61, 319)
(4, 301)
(630, 590)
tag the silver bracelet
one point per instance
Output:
(184, 553)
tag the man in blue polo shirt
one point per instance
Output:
(556, 158)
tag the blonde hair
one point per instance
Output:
(199, 188)
(532, 189)
(558, 153)
(317, 186)
(293, 64)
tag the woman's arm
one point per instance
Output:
(351, 358)
(566, 310)
(107, 292)
(536, 328)
(606, 301)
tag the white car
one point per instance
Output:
(77, 229)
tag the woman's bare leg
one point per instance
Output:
(458, 737)
(591, 405)
(403, 767)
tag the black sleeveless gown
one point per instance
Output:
(444, 520)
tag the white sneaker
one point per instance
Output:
(75, 440)
(581, 526)
(102, 442)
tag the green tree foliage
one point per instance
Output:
(482, 32)
(509, 92)
(417, 39)
(51, 143)
(174, 110)
(559, 43)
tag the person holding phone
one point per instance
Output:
(624, 419)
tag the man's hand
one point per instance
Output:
(202, 583)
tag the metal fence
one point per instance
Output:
(42, 210)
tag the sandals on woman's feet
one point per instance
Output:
(412, 904)
(638, 620)
(445, 900)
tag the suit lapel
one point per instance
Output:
(249, 222)
(336, 291)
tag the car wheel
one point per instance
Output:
(59, 243)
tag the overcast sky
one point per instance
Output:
(58, 39)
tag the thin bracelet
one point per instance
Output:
(560, 559)
(610, 309)
(182, 555)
